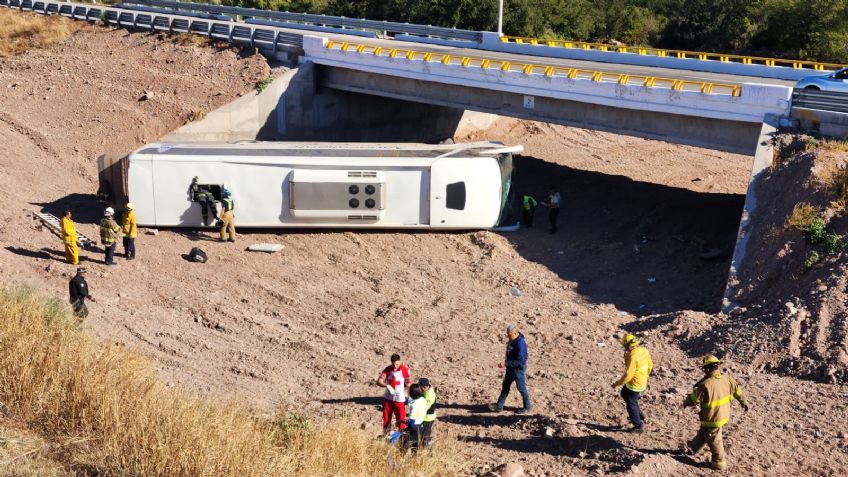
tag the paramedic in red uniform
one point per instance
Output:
(395, 378)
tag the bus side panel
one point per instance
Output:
(464, 193)
(405, 192)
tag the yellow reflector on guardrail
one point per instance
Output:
(553, 71)
(703, 56)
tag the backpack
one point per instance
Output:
(197, 255)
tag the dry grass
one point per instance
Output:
(832, 172)
(20, 31)
(189, 39)
(835, 145)
(23, 454)
(196, 115)
(803, 215)
(64, 384)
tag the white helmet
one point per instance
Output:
(108, 212)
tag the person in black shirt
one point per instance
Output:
(78, 289)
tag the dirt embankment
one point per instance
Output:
(311, 326)
(792, 283)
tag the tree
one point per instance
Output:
(625, 21)
(810, 29)
(709, 25)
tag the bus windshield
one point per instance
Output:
(507, 216)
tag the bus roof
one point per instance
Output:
(166, 151)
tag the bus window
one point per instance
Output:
(455, 196)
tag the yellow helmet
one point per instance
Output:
(628, 340)
(710, 359)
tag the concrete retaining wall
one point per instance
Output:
(295, 108)
(756, 101)
(492, 42)
(249, 118)
(762, 159)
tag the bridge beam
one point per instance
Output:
(720, 134)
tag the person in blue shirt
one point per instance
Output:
(515, 364)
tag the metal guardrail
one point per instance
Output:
(320, 20)
(681, 54)
(832, 101)
(527, 68)
(232, 32)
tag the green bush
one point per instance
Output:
(812, 259)
(263, 83)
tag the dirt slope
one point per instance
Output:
(792, 287)
(311, 326)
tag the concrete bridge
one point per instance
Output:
(708, 110)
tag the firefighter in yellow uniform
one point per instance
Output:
(712, 395)
(69, 236)
(228, 218)
(130, 230)
(638, 366)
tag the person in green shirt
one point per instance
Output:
(528, 206)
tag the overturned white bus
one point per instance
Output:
(352, 185)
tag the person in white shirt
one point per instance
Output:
(395, 379)
(552, 203)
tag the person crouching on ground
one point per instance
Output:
(395, 378)
(430, 419)
(638, 364)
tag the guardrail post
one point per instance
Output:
(276, 36)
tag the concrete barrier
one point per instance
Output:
(492, 41)
(754, 103)
(826, 123)
(438, 41)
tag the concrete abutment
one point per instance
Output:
(297, 107)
